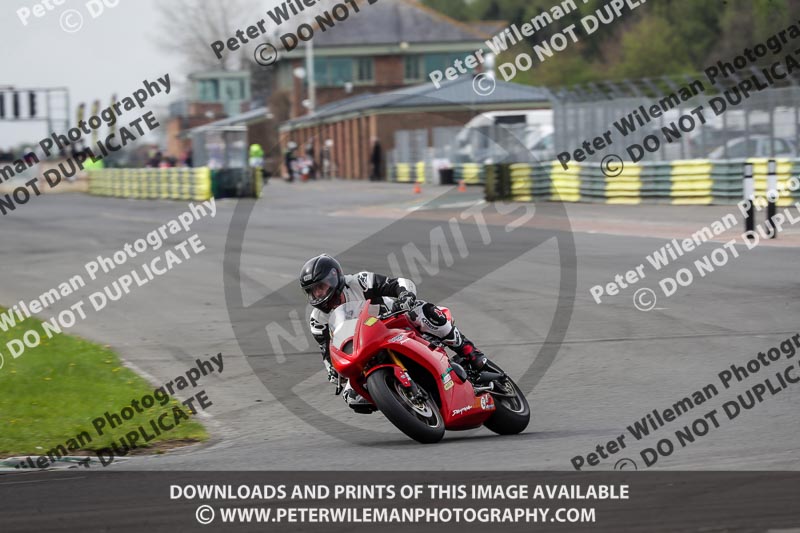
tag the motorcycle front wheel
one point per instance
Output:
(419, 419)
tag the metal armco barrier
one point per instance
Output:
(152, 183)
(686, 182)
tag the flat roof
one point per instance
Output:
(458, 93)
(396, 21)
(254, 115)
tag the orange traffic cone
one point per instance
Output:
(417, 188)
(462, 187)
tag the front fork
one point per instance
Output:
(402, 376)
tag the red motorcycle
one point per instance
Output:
(408, 377)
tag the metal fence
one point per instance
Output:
(410, 145)
(444, 142)
(764, 124)
(497, 143)
(419, 147)
(647, 120)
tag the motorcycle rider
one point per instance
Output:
(327, 287)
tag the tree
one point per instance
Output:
(188, 27)
(650, 49)
(452, 8)
(661, 37)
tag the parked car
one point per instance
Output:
(754, 146)
(544, 149)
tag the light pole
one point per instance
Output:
(312, 86)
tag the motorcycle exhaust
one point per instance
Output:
(488, 377)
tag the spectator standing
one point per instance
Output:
(375, 160)
(327, 159)
(290, 159)
(312, 159)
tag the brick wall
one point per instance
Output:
(387, 71)
(388, 124)
(352, 137)
(196, 116)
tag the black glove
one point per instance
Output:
(404, 302)
(334, 377)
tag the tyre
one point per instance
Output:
(512, 412)
(418, 419)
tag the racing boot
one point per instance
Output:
(470, 354)
(356, 402)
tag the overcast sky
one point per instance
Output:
(112, 53)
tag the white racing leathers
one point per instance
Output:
(366, 286)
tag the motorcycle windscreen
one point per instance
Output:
(344, 319)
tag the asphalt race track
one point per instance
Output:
(615, 365)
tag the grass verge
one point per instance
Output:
(53, 392)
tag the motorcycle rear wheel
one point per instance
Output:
(512, 412)
(418, 419)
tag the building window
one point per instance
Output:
(333, 71)
(208, 90)
(419, 66)
(440, 61)
(412, 70)
(364, 70)
(233, 89)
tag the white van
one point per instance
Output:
(512, 136)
